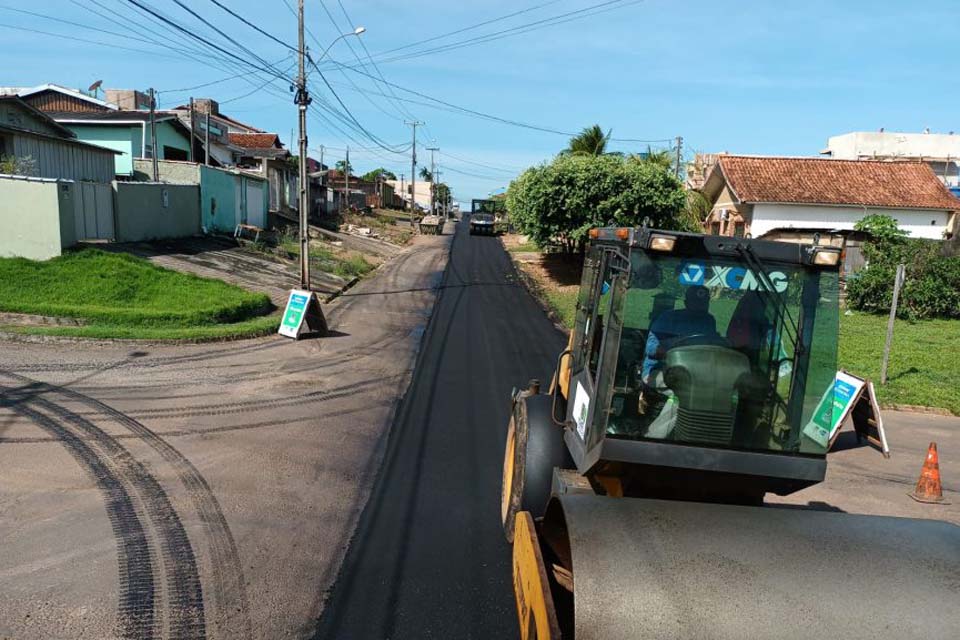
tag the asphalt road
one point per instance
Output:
(209, 491)
(428, 558)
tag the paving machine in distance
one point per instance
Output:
(483, 216)
(699, 377)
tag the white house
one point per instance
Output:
(421, 191)
(941, 151)
(776, 197)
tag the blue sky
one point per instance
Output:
(758, 77)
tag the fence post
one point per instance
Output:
(897, 283)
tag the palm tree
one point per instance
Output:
(592, 141)
(343, 167)
(662, 158)
(426, 175)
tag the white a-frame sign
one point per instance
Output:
(302, 316)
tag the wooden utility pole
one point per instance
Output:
(346, 179)
(193, 130)
(433, 179)
(206, 141)
(303, 101)
(153, 135)
(676, 169)
(897, 283)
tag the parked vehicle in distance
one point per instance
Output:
(483, 216)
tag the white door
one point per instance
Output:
(254, 193)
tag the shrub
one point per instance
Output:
(931, 288)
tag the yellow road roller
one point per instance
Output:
(700, 376)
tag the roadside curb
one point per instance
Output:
(915, 408)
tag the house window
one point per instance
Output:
(3, 146)
(738, 229)
(715, 228)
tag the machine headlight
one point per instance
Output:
(661, 242)
(825, 257)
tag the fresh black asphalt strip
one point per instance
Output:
(428, 558)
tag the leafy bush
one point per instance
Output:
(561, 201)
(931, 288)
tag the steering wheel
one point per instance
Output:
(707, 338)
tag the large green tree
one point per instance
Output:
(592, 141)
(559, 202)
(441, 192)
(343, 167)
(372, 176)
(426, 174)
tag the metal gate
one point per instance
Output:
(93, 211)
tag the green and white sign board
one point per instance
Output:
(302, 315)
(833, 408)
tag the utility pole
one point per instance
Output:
(433, 178)
(413, 168)
(206, 142)
(324, 182)
(346, 179)
(303, 101)
(676, 170)
(153, 135)
(193, 131)
(402, 187)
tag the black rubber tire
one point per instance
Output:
(538, 447)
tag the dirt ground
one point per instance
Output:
(199, 491)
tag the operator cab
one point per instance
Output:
(704, 355)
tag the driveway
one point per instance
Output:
(199, 491)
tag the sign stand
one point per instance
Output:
(854, 397)
(302, 316)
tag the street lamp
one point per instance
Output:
(355, 32)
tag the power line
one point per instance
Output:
(469, 28)
(252, 25)
(230, 77)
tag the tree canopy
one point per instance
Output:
(372, 176)
(561, 201)
(426, 174)
(592, 141)
(343, 167)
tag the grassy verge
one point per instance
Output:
(118, 295)
(923, 369)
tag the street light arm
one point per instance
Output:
(355, 32)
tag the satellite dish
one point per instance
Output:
(95, 86)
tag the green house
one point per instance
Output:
(129, 132)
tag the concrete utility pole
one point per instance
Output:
(433, 178)
(153, 136)
(206, 141)
(303, 101)
(413, 168)
(676, 170)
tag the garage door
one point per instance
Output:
(93, 211)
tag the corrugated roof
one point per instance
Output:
(110, 116)
(902, 185)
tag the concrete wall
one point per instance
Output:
(168, 136)
(34, 217)
(920, 223)
(171, 171)
(866, 144)
(148, 211)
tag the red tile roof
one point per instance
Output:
(255, 140)
(902, 185)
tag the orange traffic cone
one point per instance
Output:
(928, 486)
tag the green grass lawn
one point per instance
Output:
(924, 367)
(345, 266)
(118, 295)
